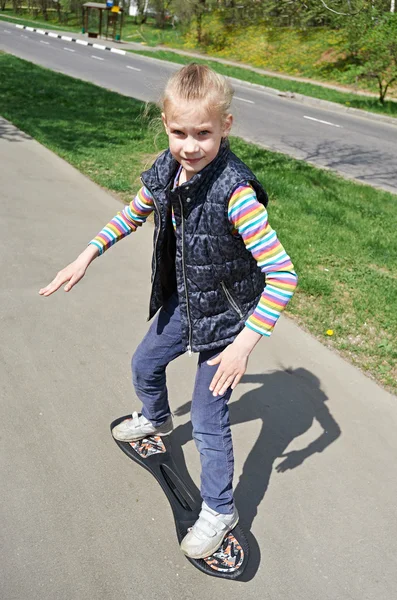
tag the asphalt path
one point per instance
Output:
(353, 146)
(315, 440)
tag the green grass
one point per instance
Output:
(341, 235)
(308, 89)
(150, 35)
(39, 23)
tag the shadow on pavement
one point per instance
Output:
(366, 165)
(287, 402)
(11, 134)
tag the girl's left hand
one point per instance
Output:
(232, 366)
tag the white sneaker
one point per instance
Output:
(139, 427)
(208, 532)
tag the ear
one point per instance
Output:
(227, 125)
(163, 118)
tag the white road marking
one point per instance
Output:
(133, 68)
(43, 42)
(69, 50)
(25, 36)
(244, 100)
(320, 121)
(97, 57)
(6, 31)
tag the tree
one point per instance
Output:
(304, 13)
(141, 7)
(378, 52)
(43, 4)
(17, 6)
(186, 10)
(161, 9)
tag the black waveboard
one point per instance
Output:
(154, 454)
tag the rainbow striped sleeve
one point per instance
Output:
(126, 221)
(249, 219)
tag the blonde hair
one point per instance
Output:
(198, 83)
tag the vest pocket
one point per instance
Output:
(231, 300)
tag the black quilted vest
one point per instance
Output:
(217, 280)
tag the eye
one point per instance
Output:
(204, 132)
(177, 132)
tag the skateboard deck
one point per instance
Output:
(154, 454)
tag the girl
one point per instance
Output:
(220, 279)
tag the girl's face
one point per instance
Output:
(194, 135)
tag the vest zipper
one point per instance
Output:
(231, 300)
(157, 236)
(189, 346)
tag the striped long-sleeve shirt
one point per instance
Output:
(249, 219)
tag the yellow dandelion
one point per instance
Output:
(330, 332)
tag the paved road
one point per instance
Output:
(351, 145)
(78, 520)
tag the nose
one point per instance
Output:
(191, 145)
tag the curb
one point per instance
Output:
(70, 39)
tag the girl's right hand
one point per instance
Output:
(72, 273)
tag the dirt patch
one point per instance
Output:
(331, 55)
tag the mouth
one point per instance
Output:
(192, 161)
